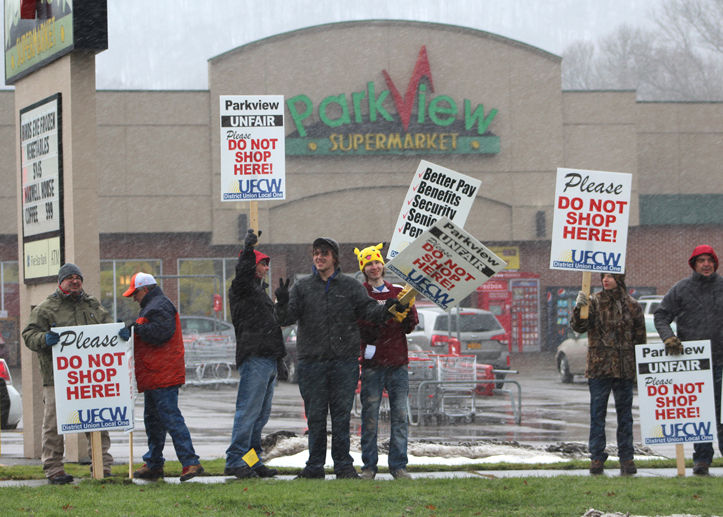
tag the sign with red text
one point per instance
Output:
(590, 223)
(253, 155)
(435, 192)
(93, 371)
(445, 264)
(675, 393)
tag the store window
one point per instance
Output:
(200, 284)
(115, 277)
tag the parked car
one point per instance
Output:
(191, 325)
(571, 355)
(478, 331)
(11, 404)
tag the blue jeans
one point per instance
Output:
(396, 381)
(623, 394)
(161, 415)
(703, 452)
(257, 378)
(328, 387)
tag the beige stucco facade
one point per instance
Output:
(159, 151)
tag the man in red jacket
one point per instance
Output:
(384, 366)
(160, 370)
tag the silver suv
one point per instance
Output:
(477, 330)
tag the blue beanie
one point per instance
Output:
(68, 269)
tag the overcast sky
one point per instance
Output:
(165, 44)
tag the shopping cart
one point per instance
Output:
(455, 392)
(210, 359)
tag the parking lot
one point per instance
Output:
(552, 412)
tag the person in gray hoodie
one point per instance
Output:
(326, 306)
(696, 305)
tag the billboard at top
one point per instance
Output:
(253, 156)
(434, 193)
(40, 31)
(590, 223)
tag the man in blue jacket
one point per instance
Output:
(259, 352)
(327, 305)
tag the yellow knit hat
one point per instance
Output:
(369, 254)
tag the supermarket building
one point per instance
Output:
(365, 102)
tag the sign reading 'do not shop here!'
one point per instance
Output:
(253, 152)
(435, 192)
(93, 370)
(590, 223)
(445, 264)
(675, 393)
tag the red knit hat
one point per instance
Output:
(703, 249)
(260, 256)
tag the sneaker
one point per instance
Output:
(61, 478)
(597, 467)
(401, 474)
(701, 469)
(145, 472)
(628, 468)
(307, 473)
(368, 473)
(191, 471)
(242, 472)
(347, 473)
(265, 472)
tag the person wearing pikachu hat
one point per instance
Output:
(384, 366)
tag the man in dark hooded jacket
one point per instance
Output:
(259, 353)
(327, 305)
(696, 305)
(614, 326)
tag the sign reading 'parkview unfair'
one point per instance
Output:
(253, 155)
(435, 192)
(675, 393)
(445, 264)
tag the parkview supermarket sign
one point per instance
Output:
(368, 122)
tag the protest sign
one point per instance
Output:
(93, 370)
(445, 263)
(435, 192)
(675, 393)
(590, 223)
(253, 152)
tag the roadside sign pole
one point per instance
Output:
(96, 455)
(680, 459)
(586, 280)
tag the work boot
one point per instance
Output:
(151, 474)
(61, 478)
(307, 473)
(265, 472)
(401, 474)
(628, 468)
(597, 467)
(242, 472)
(191, 471)
(701, 469)
(368, 473)
(348, 472)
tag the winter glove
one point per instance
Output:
(398, 306)
(51, 338)
(251, 239)
(282, 292)
(673, 346)
(282, 372)
(125, 333)
(401, 316)
(582, 299)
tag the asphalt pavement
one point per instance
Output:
(552, 413)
